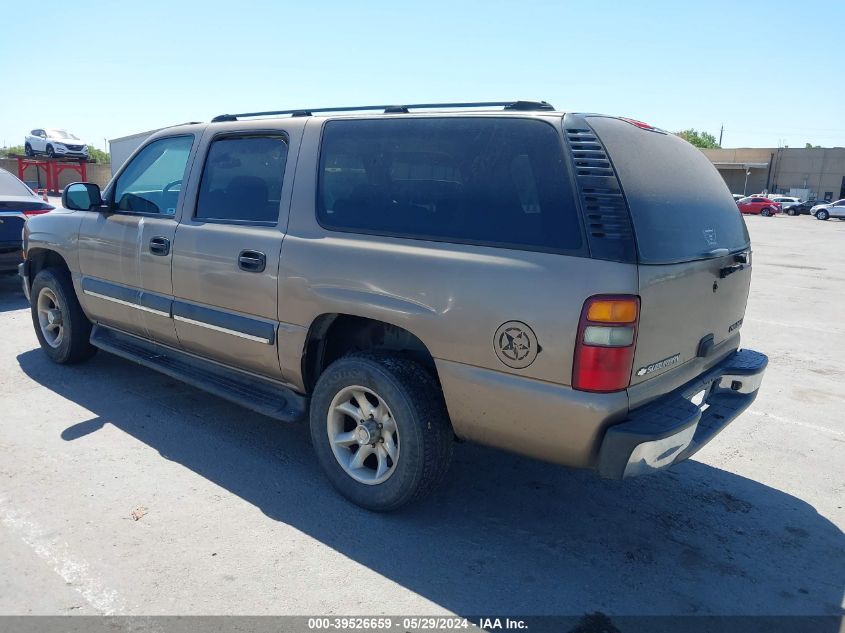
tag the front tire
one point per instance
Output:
(380, 430)
(50, 152)
(61, 326)
(766, 212)
(822, 215)
(27, 149)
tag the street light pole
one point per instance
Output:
(745, 186)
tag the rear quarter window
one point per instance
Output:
(487, 181)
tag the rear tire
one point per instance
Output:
(822, 215)
(791, 212)
(27, 149)
(401, 406)
(61, 326)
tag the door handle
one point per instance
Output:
(160, 245)
(252, 261)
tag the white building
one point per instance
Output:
(122, 148)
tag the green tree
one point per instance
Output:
(699, 139)
(98, 155)
(811, 146)
(5, 152)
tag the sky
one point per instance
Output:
(764, 69)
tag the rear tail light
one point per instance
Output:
(43, 209)
(607, 336)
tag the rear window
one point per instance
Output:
(488, 181)
(11, 186)
(680, 206)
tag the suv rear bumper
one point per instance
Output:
(672, 428)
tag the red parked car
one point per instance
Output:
(758, 204)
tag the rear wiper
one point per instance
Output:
(742, 258)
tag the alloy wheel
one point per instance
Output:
(363, 435)
(50, 317)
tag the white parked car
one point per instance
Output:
(786, 201)
(54, 142)
(830, 210)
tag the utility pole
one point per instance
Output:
(721, 130)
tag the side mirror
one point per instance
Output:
(81, 196)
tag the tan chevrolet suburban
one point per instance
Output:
(566, 286)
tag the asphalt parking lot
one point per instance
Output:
(234, 516)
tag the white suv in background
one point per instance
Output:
(54, 143)
(785, 201)
(830, 210)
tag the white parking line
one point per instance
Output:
(801, 326)
(75, 572)
(807, 425)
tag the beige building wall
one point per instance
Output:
(820, 170)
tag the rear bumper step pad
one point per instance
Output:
(672, 428)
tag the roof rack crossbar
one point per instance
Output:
(508, 105)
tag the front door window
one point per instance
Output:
(152, 181)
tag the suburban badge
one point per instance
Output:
(661, 364)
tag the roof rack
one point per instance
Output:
(392, 109)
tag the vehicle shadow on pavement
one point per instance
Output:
(504, 535)
(11, 294)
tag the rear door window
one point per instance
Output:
(487, 181)
(242, 179)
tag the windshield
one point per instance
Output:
(62, 134)
(11, 186)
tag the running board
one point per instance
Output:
(261, 395)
